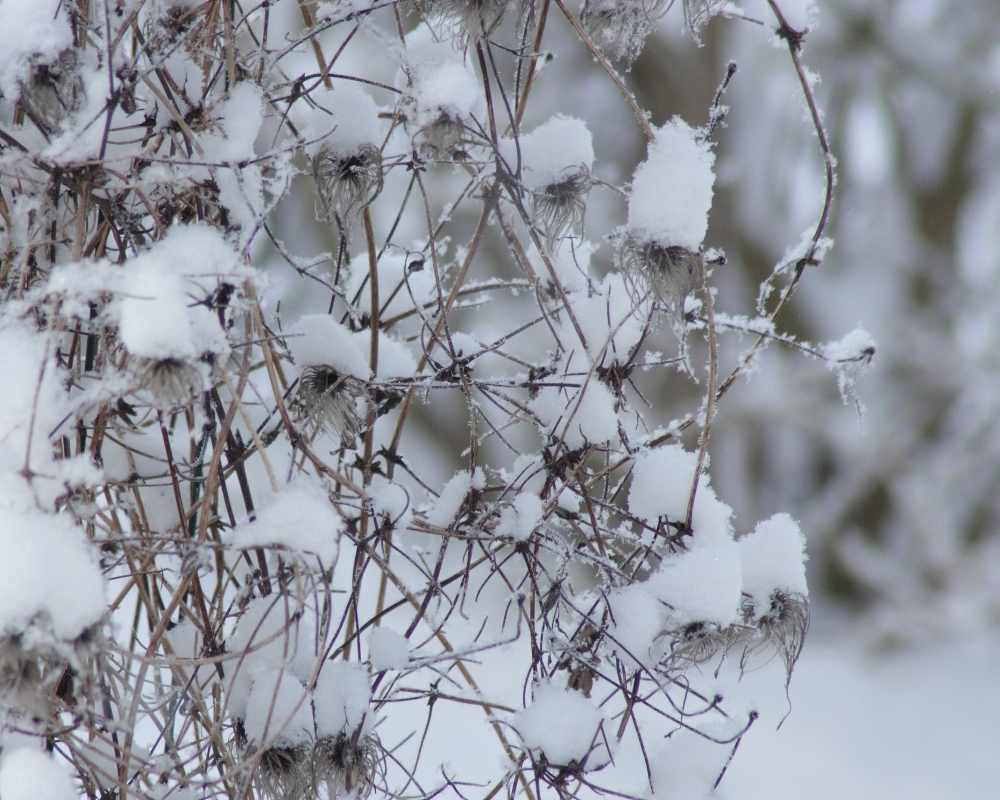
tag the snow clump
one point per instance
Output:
(773, 558)
(454, 494)
(521, 518)
(672, 189)
(30, 774)
(555, 160)
(388, 650)
(346, 160)
(300, 519)
(332, 393)
(443, 93)
(31, 32)
(563, 725)
(668, 206)
(661, 490)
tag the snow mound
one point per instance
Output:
(672, 190)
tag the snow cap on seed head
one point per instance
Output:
(672, 189)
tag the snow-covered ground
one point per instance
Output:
(916, 724)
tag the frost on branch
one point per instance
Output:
(850, 358)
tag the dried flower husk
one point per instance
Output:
(329, 400)
(784, 627)
(469, 20)
(53, 92)
(559, 207)
(695, 643)
(670, 273)
(284, 773)
(348, 764)
(21, 678)
(36, 671)
(621, 26)
(170, 382)
(345, 185)
(440, 139)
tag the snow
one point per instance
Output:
(278, 709)
(661, 487)
(22, 354)
(608, 319)
(301, 518)
(30, 30)
(387, 650)
(449, 88)
(239, 120)
(452, 496)
(801, 15)
(319, 340)
(671, 192)
(773, 558)
(639, 620)
(389, 498)
(553, 152)
(528, 473)
(341, 698)
(162, 314)
(561, 723)
(855, 346)
(441, 81)
(661, 483)
(231, 142)
(465, 345)
(577, 420)
(394, 358)
(918, 723)
(352, 122)
(520, 519)
(271, 637)
(29, 774)
(702, 585)
(712, 519)
(154, 321)
(685, 767)
(850, 358)
(47, 569)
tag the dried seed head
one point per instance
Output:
(468, 21)
(53, 92)
(669, 273)
(348, 764)
(695, 643)
(329, 399)
(20, 675)
(345, 185)
(559, 207)
(171, 382)
(621, 26)
(283, 773)
(784, 627)
(35, 669)
(440, 139)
